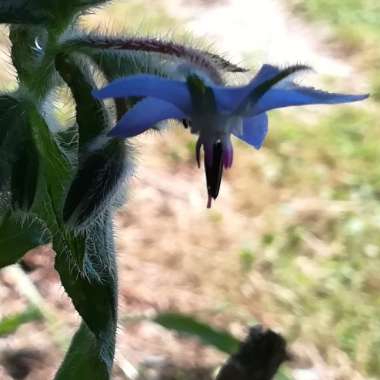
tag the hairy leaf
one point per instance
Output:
(12, 136)
(83, 360)
(17, 236)
(94, 295)
(56, 164)
(185, 324)
(8, 109)
(32, 62)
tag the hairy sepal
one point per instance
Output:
(102, 161)
(93, 118)
(96, 185)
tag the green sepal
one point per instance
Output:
(259, 91)
(19, 235)
(102, 160)
(114, 65)
(117, 64)
(93, 291)
(100, 175)
(92, 117)
(202, 96)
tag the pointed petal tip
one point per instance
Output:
(346, 98)
(362, 97)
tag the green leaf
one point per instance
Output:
(34, 65)
(8, 111)
(22, 12)
(93, 291)
(13, 128)
(57, 12)
(9, 325)
(188, 325)
(57, 164)
(17, 236)
(82, 359)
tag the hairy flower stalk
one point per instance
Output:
(210, 63)
(214, 112)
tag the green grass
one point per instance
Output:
(356, 24)
(351, 19)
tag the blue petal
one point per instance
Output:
(294, 95)
(229, 99)
(254, 130)
(145, 115)
(145, 85)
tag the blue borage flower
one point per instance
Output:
(214, 112)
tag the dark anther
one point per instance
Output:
(186, 123)
(215, 171)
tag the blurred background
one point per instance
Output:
(292, 241)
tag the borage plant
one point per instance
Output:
(62, 185)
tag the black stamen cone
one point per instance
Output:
(215, 171)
